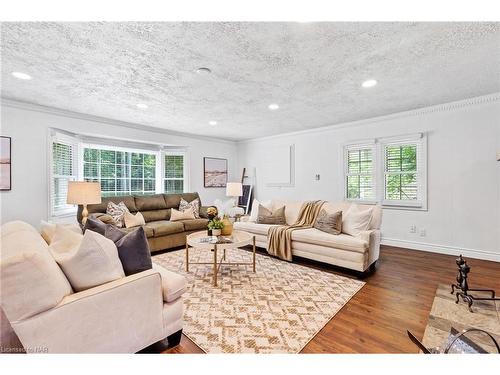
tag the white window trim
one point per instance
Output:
(185, 172)
(379, 171)
(356, 146)
(55, 137)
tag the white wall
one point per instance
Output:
(29, 130)
(463, 174)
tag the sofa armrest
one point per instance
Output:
(373, 239)
(203, 211)
(124, 315)
(173, 285)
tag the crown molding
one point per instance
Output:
(14, 103)
(445, 107)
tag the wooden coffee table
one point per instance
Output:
(239, 239)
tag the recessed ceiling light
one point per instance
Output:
(203, 71)
(212, 122)
(273, 107)
(20, 75)
(369, 83)
(142, 106)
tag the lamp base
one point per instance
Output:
(85, 214)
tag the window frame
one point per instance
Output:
(57, 137)
(84, 145)
(345, 162)
(185, 172)
(379, 171)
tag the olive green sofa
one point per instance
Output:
(162, 234)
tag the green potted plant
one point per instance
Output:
(215, 225)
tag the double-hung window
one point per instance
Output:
(174, 180)
(404, 172)
(389, 171)
(64, 168)
(120, 171)
(360, 168)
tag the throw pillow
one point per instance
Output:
(96, 225)
(265, 216)
(356, 219)
(181, 215)
(133, 249)
(47, 230)
(116, 211)
(255, 209)
(329, 223)
(132, 220)
(87, 261)
(195, 204)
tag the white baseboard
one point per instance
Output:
(443, 249)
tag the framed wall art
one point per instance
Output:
(214, 172)
(5, 163)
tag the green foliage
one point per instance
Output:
(215, 224)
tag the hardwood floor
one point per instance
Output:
(397, 297)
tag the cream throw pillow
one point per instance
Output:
(47, 230)
(181, 215)
(87, 261)
(132, 220)
(356, 220)
(255, 209)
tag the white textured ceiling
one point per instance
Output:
(312, 70)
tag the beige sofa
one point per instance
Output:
(122, 316)
(356, 253)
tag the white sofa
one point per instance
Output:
(122, 316)
(356, 253)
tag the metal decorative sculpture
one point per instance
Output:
(462, 286)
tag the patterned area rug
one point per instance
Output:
(277, 309)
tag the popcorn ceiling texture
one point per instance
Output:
(312, 70)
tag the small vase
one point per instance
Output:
(216, 232)
(209, 232)
(228, 227)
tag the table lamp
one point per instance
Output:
(81, 192)
(235, 190)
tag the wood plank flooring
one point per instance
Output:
(397, 297)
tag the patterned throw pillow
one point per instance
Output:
(194, 204)
(329, 223)
(265, 216)
(116, 211)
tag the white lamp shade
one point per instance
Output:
(80, 192)
(234, 189)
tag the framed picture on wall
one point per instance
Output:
(5, 163)
(214, 172)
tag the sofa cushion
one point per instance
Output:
(95, 225)
(150, 202)
(292, 209)
(329, 223)
(251, 227)
(30, 279)
(357, 219)
(194, 224)
(47, 230)
(156, 215)
(133, 249)
(173, 284)
(341, 241)
(148, 230)
(265, 216)
(133, 220)
(87, 261)
(164, 227)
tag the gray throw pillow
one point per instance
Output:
(95, 225)
(329, 223)
(133, 249)
(265, 216)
